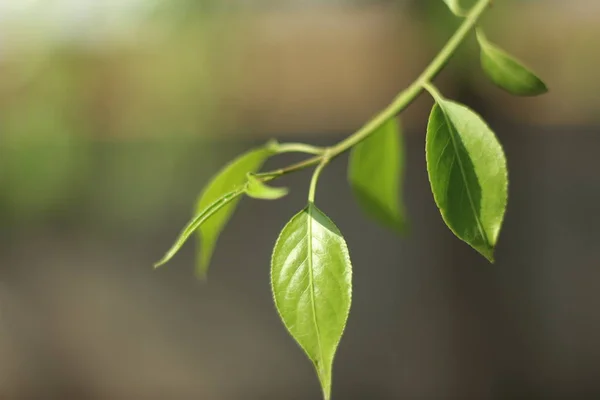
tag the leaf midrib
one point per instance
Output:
(312, 286)
(464, 177)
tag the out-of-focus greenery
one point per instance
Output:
(72, 116)
(101, 108)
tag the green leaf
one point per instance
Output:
(468, 175)
(258, 190)
(507, 72)
(197, 221)
(375, 173)
(311, 278)
(232, 176)
(454, 6)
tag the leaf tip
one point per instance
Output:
(543, 88)
(402, 228)
(202, 275)
(161, 262)
(538, 88)
(488, 253)
(272, 146)
(203, 263)
(397, 224)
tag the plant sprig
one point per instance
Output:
(310, 267)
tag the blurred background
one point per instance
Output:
(115, 113)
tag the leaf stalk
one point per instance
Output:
(299, 148)
(315, 178)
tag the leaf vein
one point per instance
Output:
(464, 177)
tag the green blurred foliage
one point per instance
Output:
(42, 154)
(105, 132)
(114, 126)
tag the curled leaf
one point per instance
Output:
(507, 72)
(232, 176)
(256, 189)
(311, 278)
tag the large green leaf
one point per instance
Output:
(375, 173)
(229, 178)
(468, 175)
(311, 278)
(507, 72)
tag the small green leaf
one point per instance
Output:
(454, 6)
(375, 173)
(234, 175)
(468, 175)
(197, 222)
(258, 190)
(311, 278)
(507, 72)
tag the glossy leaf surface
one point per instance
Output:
(507, 72)
(468, 175)
(311, 278)
(229, 178)
(259, 190)
(375, 174)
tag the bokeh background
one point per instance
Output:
(115, 113)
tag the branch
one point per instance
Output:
(400, 103)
